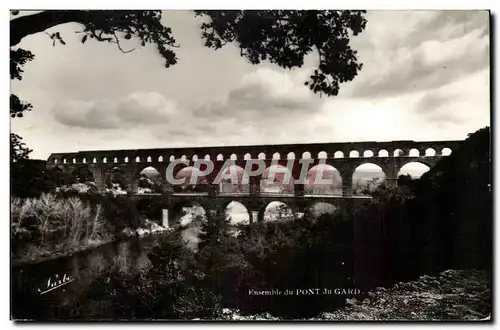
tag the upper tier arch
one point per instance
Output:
(153, 155)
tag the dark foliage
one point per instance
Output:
(283, 37)
(422, 226)
(441, 221)
(119, 211)
(31, 178)
(151, 209)
(18, 149)
(455, 199)
(117, 176)
(18, 58)
(17, 107)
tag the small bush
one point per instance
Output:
(54, 224)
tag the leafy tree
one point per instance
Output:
(405, 180)
(31, 178)
(18, 149)
(455, 198)
(283, 37)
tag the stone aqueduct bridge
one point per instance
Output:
(345, 157)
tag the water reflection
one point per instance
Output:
(86, 267)
(27, 303)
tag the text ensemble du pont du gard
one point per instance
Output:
(305, 292)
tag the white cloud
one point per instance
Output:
(134, 110)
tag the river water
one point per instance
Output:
(37, 294)
(40, 290)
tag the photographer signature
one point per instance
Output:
(55, 283)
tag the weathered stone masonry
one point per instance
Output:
(132, 162)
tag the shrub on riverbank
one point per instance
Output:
(418, 228)
(48, 224)
(59, 224)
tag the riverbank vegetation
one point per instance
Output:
(54, 225)
(422, 227)
(442, 221)
(47, 225)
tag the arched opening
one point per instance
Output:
(383, 153)
(194, 158)
(430, 152)
(233, 157)
(150, 172)
(232, 183)
(399, 153)
(104, 160)
(160, 159)
(137, 159)
(446, 152)
(190, 217)
(220, 157)
(115, 160)
(366, 178)
(149, 181)
(148, 160)
(61, 177)
(183, 158)
(84, 160)
(151, 210)
(237, 214)
(320, 209)
(276, 155)
(94, 160)
(354, 154)
(74, 160)
(171, 158)
(306, 155)
(207, 157)
(194, 181)
(83, 175)
(64, 160)
(247, 156)
(277, 211)
(414, 153)
(317, 177)
(261, 156)
(276, 179)
(126, 160)
(69, 177)
(368, 153)
(55, 160)
(188, 213)
(414, 169)
(338, 154)
(322, 155)
(290, 155)
(116, 180)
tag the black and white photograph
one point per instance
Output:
(327, 165)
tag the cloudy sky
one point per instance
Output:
(425, 77)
